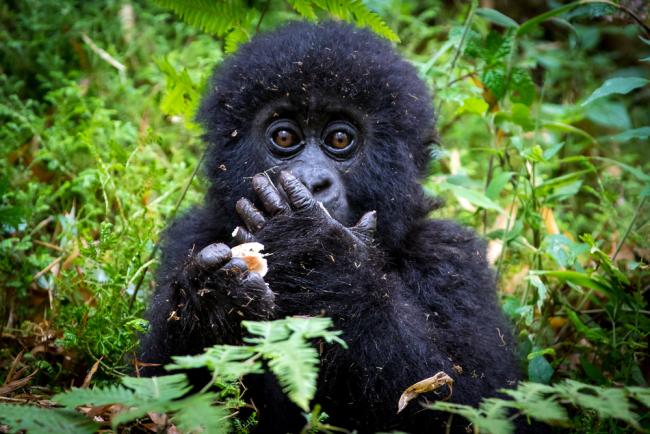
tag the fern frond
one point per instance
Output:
(357, 12)
(235, 38)
(304, 8)
(545, 403)
(37, 420)
(165, 388)
(607, 402)
(229, 362)
(214, 17)
(97, 397)
(295, 365)
(198, 414)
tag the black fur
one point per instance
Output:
(419, 300)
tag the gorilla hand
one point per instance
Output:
(220, 280)
(299, 204)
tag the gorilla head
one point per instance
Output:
(334, 105)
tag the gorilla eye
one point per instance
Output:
(284, 138)
(338, 139)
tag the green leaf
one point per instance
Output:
(473, 105)
(163, 388)
(638, 173)
(216, 18)
(637, 133)
(37, 420)
(581, 279)
(112, 394)
(357, 12)
(542, 291)
(552, 151)
(496, 17)
(618, 85)
(476, 198)
(497, 184)
(304, 8)
(491, 417)
(606, 402)
(495, 80)
(234, 39)
(522, 87)
(540, 370)
(198, 414)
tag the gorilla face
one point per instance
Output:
(318, 146)
(339, 109)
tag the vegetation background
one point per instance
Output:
(544, 115)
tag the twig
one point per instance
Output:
(629, 227)
(259, 22)
(103, 54)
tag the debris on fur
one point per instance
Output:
(427, 385)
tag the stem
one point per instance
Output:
(629, 227)
(468, 23)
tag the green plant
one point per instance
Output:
(283, 344)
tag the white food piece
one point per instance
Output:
(252, 254)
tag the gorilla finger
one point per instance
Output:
(242, 236)
(214, 255)
(255, 282)
(367, 224)
(235, 267)
(299, 195)
(252, 217)
(269, 195)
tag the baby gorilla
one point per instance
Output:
(317, 137)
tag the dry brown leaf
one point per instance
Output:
(90, 374)
(549, 221)
(427, 385)
(17, 384)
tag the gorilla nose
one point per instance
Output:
(320, 182)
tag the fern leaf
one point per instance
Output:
(357, 12)
(641, 394)
(198, 414)
(315, 327)
(295, 364)
(533, 399)
(491, 417)
(235, 38)
(214, 17)
(229, 362)
(97, 397)
(163, 388)
(606, 402)
(37, 420)
(304, 8)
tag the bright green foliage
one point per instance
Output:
(619, 85)
(549, 404)
(36, 420)
(543, 121)
(283, 344)
(137, 397)
(237, 20)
